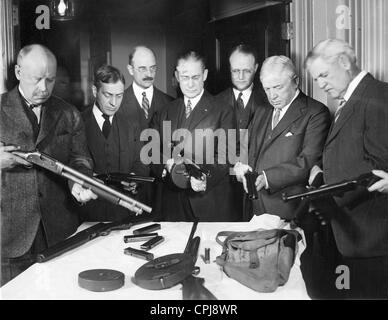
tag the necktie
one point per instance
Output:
(276, 118)
(240, 102)
(188, 109)
(145, 104)
(106, 126)
(338, 111)
(35, 109)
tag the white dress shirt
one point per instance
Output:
(98, 115)
(194, 101)
(138, 91)
(282, 113)
(246, 94)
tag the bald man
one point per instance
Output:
(142, 99)
(36, 208)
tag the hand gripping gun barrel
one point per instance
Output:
(315, 192)
(103, 191)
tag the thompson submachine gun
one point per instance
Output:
(183, 169)
(105, 192)
(97, 230)
(336, 189)
(167, 271)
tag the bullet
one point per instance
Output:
(207, 255)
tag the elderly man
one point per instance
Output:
(112, 140)
(356, 144)
(36, 210)
(142, 99)
(211, 197)
(285, 140)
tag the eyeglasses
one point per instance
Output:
(236, 72)
(152, 69)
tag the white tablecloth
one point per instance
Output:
(58, 278)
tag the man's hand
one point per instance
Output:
(381, 185)
(240, 170)
(313, 172)
(81, 194)
(9, 160)
(198, 185)
(169, 164)
(260, 182)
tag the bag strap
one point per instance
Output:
(223, 234)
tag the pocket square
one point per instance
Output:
(289, 134)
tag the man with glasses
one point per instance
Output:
(198, 116)
(142, 98)
(245, 98)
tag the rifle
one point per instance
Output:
(315, 192)
(125, 181)
(45, 161)
(167, 271)
(84, 236)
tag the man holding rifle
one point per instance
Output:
(36, 208)
(113, 141)
(356, 144)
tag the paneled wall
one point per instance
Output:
(363, 23)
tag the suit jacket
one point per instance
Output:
(356, 144)
(31, 195)
(287, 153)
(130, 106)
(129, 161)
(257, 99)
(216, 203)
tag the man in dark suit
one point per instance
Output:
(244, 97)
(357, 143)
(36, 211)
(286, 140)
(112, 140)
(209, 198)
(142, 99)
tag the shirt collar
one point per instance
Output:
(285, 108)
(98, 114)
(353, 84)
(194, 101)
(139, 90)
(245, 93)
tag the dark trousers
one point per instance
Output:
(12, 267)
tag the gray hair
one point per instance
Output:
(283, 62)
(27, 49)
(329, 49)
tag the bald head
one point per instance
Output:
(142, 66)
(36, 70)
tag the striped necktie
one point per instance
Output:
(276, 118)
(338, 111)
(145, 104)
(188, 109)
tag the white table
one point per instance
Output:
(58, 278)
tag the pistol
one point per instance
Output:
(251, 179)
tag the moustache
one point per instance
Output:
(148, 79)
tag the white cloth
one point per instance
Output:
(138, 91)
(246, 94)
(194, 101)
(98, 116)
(58, 278)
